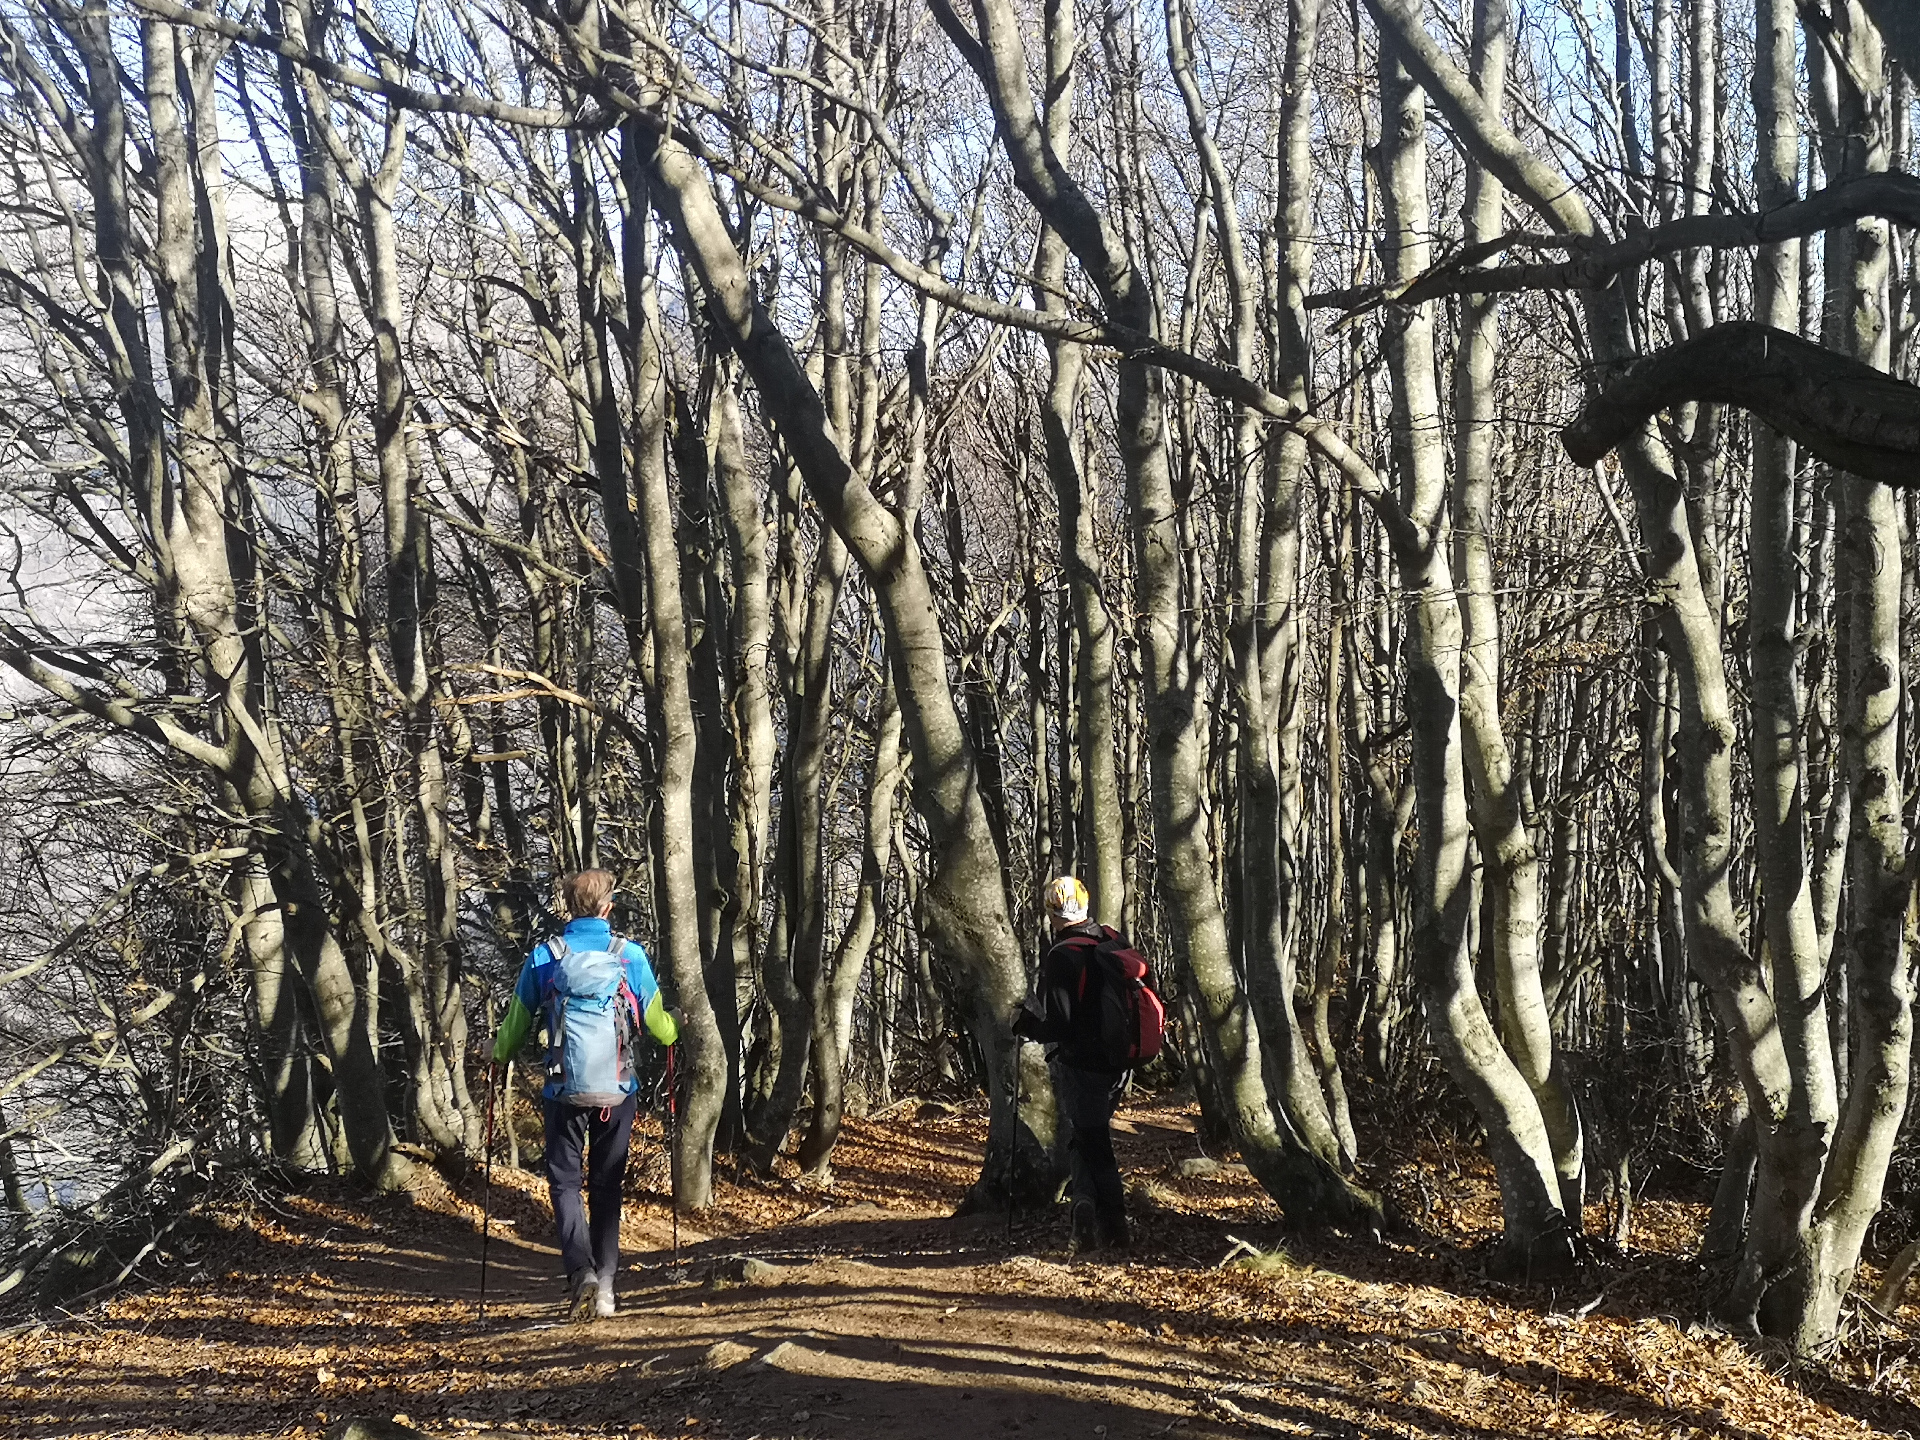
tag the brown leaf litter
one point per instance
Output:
(877, 1315)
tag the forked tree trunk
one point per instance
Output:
(1536, 1239)
(1511, 863)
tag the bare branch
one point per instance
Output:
(1856, 418)
(1891, 195)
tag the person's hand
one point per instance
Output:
(1028, 1023)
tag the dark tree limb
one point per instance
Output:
(1852, 416)
(1891, 195)
(1899, 22)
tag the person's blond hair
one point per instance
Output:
(586, 894)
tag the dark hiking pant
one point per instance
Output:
(1086, 1099)
(601, 1137)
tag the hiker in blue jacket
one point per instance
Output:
(593, 997)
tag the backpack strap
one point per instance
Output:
(617, 946)
(1091, 946)
(555, 948)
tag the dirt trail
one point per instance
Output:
(882, 1317)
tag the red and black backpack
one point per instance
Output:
(1129, 1019)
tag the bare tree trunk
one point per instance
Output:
(1536, 1224)
(1511, 863)
(435, 1012)
(833, 1014)
(188, 530)
(1779, 824)
(286, 1066)
(672, 709)
(1099, 827)
(715, 802)
(1266, 872)
(751, 689)
(1803, 1306)
(1337, 523)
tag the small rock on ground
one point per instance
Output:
(722, 1356)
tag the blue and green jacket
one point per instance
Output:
(530, 990)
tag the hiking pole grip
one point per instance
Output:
(486, 1201)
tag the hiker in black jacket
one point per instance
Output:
(1085, 1085)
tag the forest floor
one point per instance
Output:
(881, 1316)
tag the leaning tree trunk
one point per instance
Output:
(964, 901)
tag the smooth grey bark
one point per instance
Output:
(833, 1009)
(1691, 629)
(286, 1067)
(1899, 26)
(1264, 517)
(1287, 263)
(792, 977)
(435, 1013)
(833, 978)
(789, 977)
(1099, 827)
(1778, 789)
(716, 802)
(1536, 1239)
(1511, 864)
(1803, 1306)
(1337, 528)
(185, 520)
(671, 712)
(750, 689)
(432, 1016)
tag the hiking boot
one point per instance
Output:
(1085, 1232)
(1114, 1234)
(583, 1288)
(603, 1299)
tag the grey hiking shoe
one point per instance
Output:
(603, 1299)
(583, 1289)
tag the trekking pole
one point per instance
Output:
(486, 1204)
(1013, 1136)
(673, 1153)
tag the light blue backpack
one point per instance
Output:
(592, 1022)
